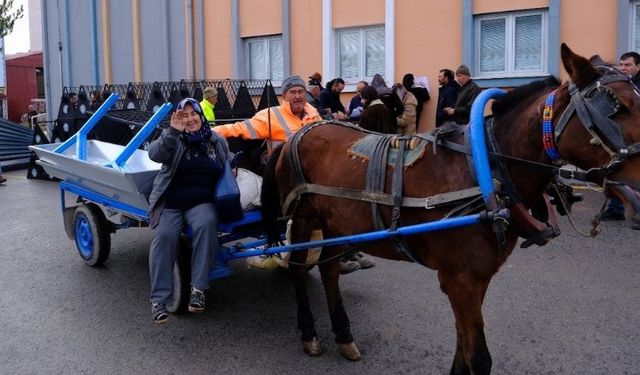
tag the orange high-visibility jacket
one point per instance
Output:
(283, 124)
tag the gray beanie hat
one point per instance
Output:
(462, 69)
(292, 81)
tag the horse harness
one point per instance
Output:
(594, 105)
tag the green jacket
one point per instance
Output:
(466, 96)
(207, 109)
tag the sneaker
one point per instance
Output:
(196, 301)
(364, 261)
(2, 179)
(159, 313)
(610, 215)
(348, 266)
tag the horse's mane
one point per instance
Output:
(520, 93)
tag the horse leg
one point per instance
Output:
(330, 272)
(466, 296)
(306, 324)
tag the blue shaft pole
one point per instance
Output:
(366, 237)
(81, 136)
(142, 135)
(479, 152)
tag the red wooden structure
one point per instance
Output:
(25, 75)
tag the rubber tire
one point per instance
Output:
(181, 279)
(92, 235)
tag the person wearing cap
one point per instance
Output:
(208, 104)
(313, 93)
(466, 95)
(276, 124)
(192, 158)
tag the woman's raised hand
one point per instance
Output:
(179, 120)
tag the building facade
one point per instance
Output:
(504, 43)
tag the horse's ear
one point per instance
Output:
(580, 69)
(596, 60)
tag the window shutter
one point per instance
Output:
(528, 43)
(492, 45)
(257, 60)
(374, 44)
(349, 46)
(277, 60)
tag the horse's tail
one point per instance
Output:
(270, 197)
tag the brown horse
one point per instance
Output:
(600, 138)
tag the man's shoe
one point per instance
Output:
(2, 179)
(635, 226)
(364, 261)
(196, 301)
(348, 266)
(159, 313)
(609, 215)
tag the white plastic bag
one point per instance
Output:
(250, 185)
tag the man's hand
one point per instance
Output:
(179, 120)
(449, 111)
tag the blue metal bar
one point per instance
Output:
(366, 237)
(142, 135)
(104, 200)
(81, 135)
(479, 152)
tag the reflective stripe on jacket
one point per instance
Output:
(283, 124)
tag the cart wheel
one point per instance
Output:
(92, 235)
(181, 279)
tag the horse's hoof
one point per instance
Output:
(350, 351)
(312, 348)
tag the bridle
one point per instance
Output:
(594, 105)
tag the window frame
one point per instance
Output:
(635, 4)
(510, 25)
(266, 40)
(362, 51)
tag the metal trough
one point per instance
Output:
(122, 173)
(130, 185)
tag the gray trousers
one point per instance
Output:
(202, 219)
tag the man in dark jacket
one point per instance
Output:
(467, 94)
(447, 95)
(330, 99)
(629, 65)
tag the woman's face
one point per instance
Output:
(193, 122)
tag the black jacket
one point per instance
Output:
(447, 95)
(466, 96)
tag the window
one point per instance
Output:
(511, 44)
(635, 27)
(265, 58)
(360, 53)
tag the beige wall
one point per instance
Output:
(349, 13)
(260, 17)
(585, 34)
(306, 37)
(421, 51)
(494, 6)
(217, 39)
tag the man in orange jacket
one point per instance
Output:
(286, 119)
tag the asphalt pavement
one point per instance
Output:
(570, 307)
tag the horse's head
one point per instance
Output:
(599, 130)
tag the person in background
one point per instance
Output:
(629, 65)
(193, 159)
(376, 116)
(208, 104)
(313, 93)
(406, 123)
(461, 112)
(447, 95)
(419, 89)
(73, 100)
(355, 106)
(2, 178)
(330, 99)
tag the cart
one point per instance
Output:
(105, 188)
